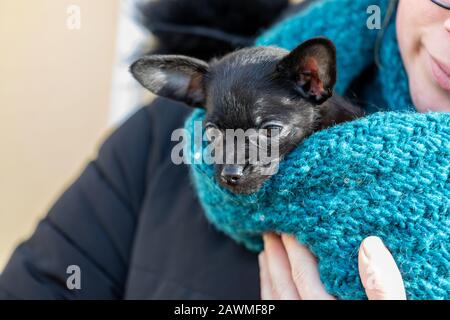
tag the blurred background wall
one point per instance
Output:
(54, 103)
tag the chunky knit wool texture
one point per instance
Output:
(385, 175)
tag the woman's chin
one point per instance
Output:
(430, 101)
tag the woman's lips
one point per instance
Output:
(441, 74)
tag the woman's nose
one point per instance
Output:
(447, 25)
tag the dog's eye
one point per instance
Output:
(211, 131)
(272, 128)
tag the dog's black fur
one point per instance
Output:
(255, 88)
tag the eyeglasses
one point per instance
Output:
(442, 3)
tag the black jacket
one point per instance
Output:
(133, 225)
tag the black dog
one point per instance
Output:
(255, 88)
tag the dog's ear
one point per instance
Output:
(312, 68)
(176, 77)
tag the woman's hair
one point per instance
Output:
(387, 19)
(207, 28)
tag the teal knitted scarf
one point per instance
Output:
(384, 175)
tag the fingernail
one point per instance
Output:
(372, 245)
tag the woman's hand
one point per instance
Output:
(288, 271)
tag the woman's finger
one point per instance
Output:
(264, 278)
(304, 271)
(379, 272)
(283, 287)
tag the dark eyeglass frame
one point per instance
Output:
(441, 4)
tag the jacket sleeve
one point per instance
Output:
(91, 226)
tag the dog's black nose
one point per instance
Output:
(232, 173)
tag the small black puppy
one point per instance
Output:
(255, 88)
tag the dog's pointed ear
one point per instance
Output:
(312, 68)
(176, 77)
